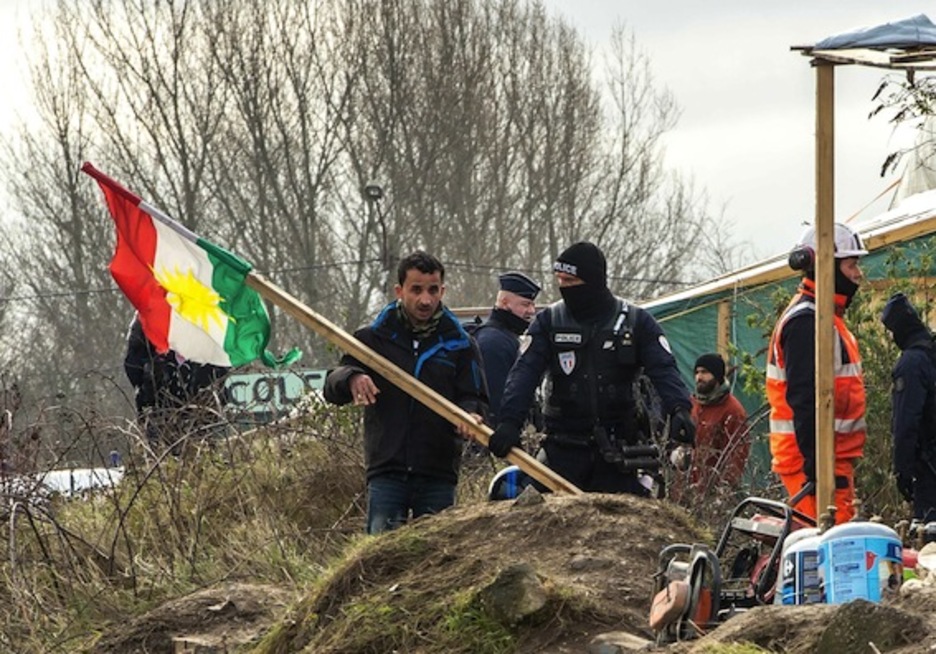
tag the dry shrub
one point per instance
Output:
(272, 505)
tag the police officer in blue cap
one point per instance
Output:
(592, 346)
(499, 336)
(913, 400)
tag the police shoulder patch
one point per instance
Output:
(665, 344)
(567, 362)
(899, 384)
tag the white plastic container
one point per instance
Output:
(860, 560)
(799, 580)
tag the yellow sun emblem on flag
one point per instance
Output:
(190, 298)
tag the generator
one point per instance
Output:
(697, 588)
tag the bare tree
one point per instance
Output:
(52, 254)
(478, 115)
(646, 215)
(259, 123)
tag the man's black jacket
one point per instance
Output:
(499, 341)
(400, 433)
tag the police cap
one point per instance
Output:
(520, 284)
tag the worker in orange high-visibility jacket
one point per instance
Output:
(791, 379)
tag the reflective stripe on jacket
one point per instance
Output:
(849, 393)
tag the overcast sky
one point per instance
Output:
(748, 102)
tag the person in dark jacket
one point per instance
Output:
(412, 454)
(170, 391)
(591, 346)
(913, 401)
(499, 336)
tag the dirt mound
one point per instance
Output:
(858, 626)
(578, 568)
(422, 588)
(214, 619)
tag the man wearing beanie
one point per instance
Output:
(591, 347)
(499, 336)
(722, 443)
(913, 401)
(791, 379)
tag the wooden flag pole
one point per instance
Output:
(400, 378)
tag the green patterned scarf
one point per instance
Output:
(422, 331)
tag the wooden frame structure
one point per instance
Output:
(824, 62)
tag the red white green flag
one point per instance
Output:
(190, 294)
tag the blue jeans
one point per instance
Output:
(395, 497)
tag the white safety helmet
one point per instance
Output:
(847, 242)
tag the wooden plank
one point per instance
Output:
(919, 284)
(825, 285)
(723, 335)
(873, 58)
(925, 55)
(400, 378)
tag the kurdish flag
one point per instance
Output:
(190, 294)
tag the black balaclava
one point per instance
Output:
(903, 321)
(843, 285)
(592, 300)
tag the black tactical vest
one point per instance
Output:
(591, 373)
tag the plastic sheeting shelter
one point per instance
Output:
(909, 33)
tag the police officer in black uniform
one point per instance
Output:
(499, 336)
(913, 401)
(592, 346)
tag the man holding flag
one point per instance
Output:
(171, 391)
(204, 302)
(412, 454)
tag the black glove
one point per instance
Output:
(681, 427)
(905, 486)
(504, 438)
